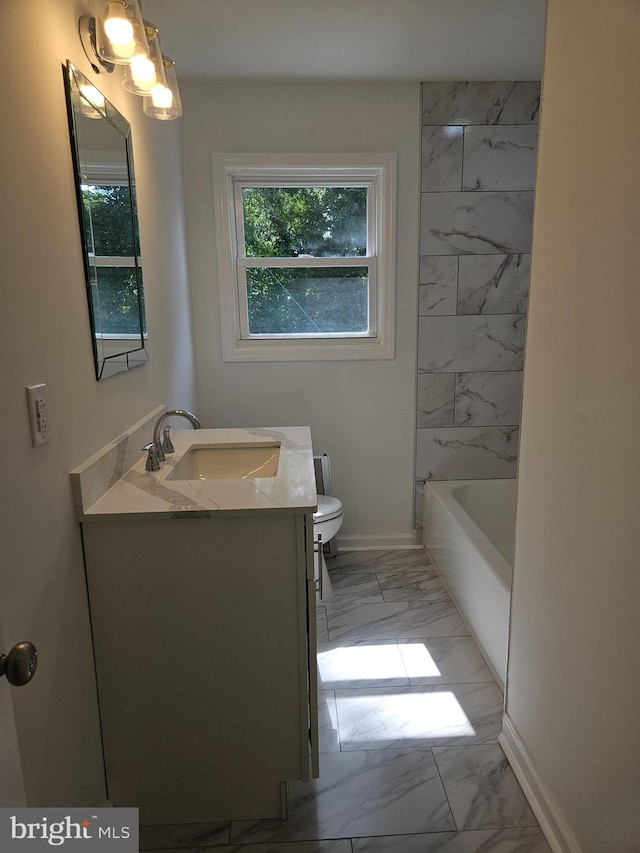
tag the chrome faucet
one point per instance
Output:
(157, 449)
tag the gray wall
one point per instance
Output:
(360, 412)
(573, 690)
(46, 338)
(478, 170)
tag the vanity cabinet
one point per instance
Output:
(204, 638)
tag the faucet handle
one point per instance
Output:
(152, 463)
(167, 444)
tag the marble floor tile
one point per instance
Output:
(351, 561)
(355, 586)
(328, 735)
(171, 836)
(482, 789)
(322, 629)
(519, 840)
(418, 717)
(364, 663)
(395, 619)
(332, 846)
(380, 560)
(359, 793)
(412, 586)
(444, 660)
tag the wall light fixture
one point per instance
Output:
(118, 35)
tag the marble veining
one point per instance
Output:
(489, 398)
(378, 560)
(101, 471)
(425, 716)
(467, 453)
(438, 291)
(439, 270)
(359, 793)
(493, 284)
(412, 586)
(482, 789)
(394, 619)
(475, 342)
(470, 103)
(475, 223)
(150, 494)
(509, 840)
(361, 664)
(156, 488)
(443, 660)
(500, 158)
(362, 587)
(184, 835)
(332, 846)
(435, 400)
(442, 150)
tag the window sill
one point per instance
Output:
(329, 349)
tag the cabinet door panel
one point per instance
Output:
(196, 636)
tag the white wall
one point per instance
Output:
(573, 686)
(45, 337)
(361, 413)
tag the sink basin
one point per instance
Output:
(228, 461)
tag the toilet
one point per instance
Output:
(327, 520)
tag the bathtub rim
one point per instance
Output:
(442, 490)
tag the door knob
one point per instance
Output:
(20, 664)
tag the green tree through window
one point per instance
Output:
(115, 286)
(299, 222)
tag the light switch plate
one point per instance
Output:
(38, 414)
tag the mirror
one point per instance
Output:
(106, 194)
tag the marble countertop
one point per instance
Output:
(140, 494)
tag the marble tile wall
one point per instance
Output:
(477, 179)
(94, 477)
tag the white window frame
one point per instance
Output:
(375, 171)
(109, 175)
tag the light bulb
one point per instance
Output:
(143, 72)
(119, 30)
(161, 97)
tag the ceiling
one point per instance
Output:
(352, 39)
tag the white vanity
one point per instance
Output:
(203, 611)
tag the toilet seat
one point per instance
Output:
(328, 508)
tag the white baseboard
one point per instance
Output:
(558, 835)
(374, 541)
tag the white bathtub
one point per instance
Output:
(469, 529)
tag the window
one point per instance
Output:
(306, 258)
